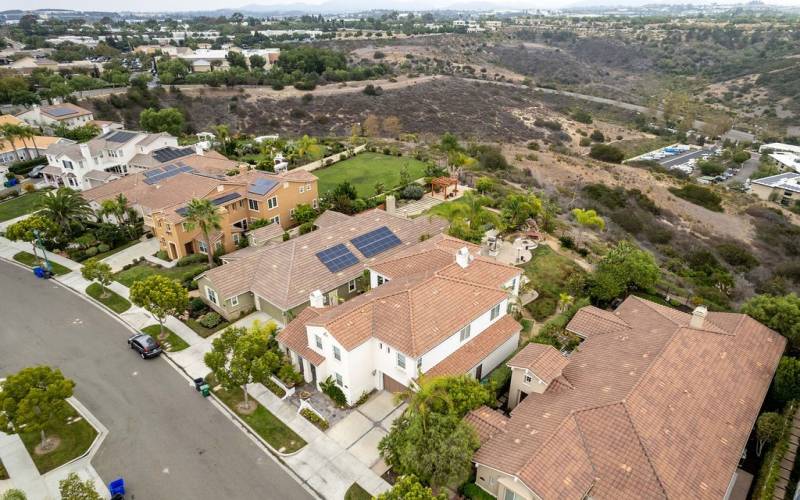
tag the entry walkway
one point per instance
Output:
(142, 249)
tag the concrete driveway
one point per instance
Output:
(118, 260)
(164, 439)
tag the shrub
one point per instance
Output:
(567, 241)
(548, 124)
(378, 55)
(699, 195)
(607, 153)
(194, 258)
(289, 375)
(330, 389)
(91, 251)
(582, 116)
(24, 167)
(210, 319)
(315, 419)
(475, 492)
(412, 192)
(585, 142)
(307, 98)
(196, 307)
(306, 227)
(273, 387)
(597, 136)
(102, 247)
(737, 256)
(371, 89)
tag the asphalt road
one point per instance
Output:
(164, 438)
(680, 159)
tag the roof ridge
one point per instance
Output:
(644, 448)
(437, 274)
(593, 310)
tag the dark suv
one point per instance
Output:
(145, 345)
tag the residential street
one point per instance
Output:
(164, 438)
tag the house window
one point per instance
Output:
(464, 333)
(419, 364)
(68, 164)
(495, 312)
(253, 204)
(351, 287)
(318, 341)
(308, 187)
(291, 213)
(380, 280)
(337, 353)
(302, 189)
(314, 203)
(276, 219)
(234, 301)
(201, 245)
(339, 381)
(236, 238)
(241, 203)
(272, 202)
(211, 295)
(401, 361)
(528, 379)
(185, 227)
(510, 495)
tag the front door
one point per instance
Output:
(392, 385)
(173, 251)
(189, 248)
(479, 371)
(313, 374)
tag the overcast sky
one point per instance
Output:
(179, 5)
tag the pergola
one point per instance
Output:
(440, 184)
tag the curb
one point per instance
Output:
(101, 429)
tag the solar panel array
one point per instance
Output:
(375, 242)
(159, 174)
(226, 198)
(121, 136)
(261, 186)
(337, 257)
(62, 111)
(169, 153)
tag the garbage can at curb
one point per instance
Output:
(198, 382)
(205, 390)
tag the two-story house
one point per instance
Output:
(656, 403)
(443, 311)
(51, 117)
(100, 160)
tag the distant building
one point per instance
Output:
(50, 117)
(782, 188)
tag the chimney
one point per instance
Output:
(317, 299)
(390, 204)
(106, 128)
(198, 150)
(698, 317)
(85, 151)
(463, 257)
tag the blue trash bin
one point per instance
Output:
(117, 487)
(38, 271)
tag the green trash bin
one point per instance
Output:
(205, 390)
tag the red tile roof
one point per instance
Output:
(544, 361)
(486, 422)
(294, 336)
(657, 409)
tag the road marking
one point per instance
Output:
(135, 373)
(166, 470)
(77, 321)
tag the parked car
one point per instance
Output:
(36, 171)
(145, 345)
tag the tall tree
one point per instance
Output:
(72, 488)
(203, 214)
(587, 218)
(786, 385)
(769, 428)
(35, 399)
(26, 133)
(240, 356)
(518, 208)
(66, 207)
(28, 228)
(223, 133)
(409, 488)
(623, 269)
(10, 133)
(161, 297)
(99, 271)
(781, 313)
(169, 120)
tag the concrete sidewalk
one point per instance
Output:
(25, 476)
(127, 255)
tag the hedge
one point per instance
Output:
(315, 419)
(24, 167)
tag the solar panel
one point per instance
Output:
(121, 136)
(337, 257)
(151, 173)
(375, 242)
(169, 153)
(161, 175)
(169, 167)
(261, 186)
(59, 112)
(224, 199)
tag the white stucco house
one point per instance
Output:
(102, 159)
(50, 117)
(437, 308)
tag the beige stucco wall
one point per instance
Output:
(497, 483)
(519, 386)
(762, 192)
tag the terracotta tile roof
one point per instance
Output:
(688, 397)
(590, 320)
(267, 232)
(466, 357)
(286, 273)
(329, 218)
(42, 142)
(100, 175)
(294, 336)
(10, 119)
(544, 361)
(486, 422)
(77, 111)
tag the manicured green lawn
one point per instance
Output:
(548, 272)
(356, 492)
(30, 260)
(20, 205)
(175, 342)
(112, 300)
(366, 169)
(203, 331)
(267, 425)
(144, 269)
(75, 438)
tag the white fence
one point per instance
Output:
(330, 160)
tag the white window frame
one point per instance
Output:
(339, 380)
(276, 219)
(272, 202)
(302, 188)
(234, 301)
(252, 204)
(314, 203)
(495, 313)
(352, 285)
(318, 341)
(211, 295)
(465, 333)
(201, 247)
(380, 280)
(401, 360)
(528, 378)
(337, 353)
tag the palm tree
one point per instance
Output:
(203, 214)
(308, 147)
(472, 208)
(26, 132)
(223, 133)
(66, 206)
(10, 132)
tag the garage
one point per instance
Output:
(392, 385)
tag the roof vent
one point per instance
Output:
(463, 258)
(316, 299)
(698, 317)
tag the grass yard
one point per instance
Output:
(113, 300)
(364, 170)
(21, 205)
(175, 342)
(30, 260)
(548, 272)
(75, 438)
(267, 425)
(356, 492)
(203, 331)
(144, 269)
(103, 255)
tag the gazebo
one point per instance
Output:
(441, 184)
